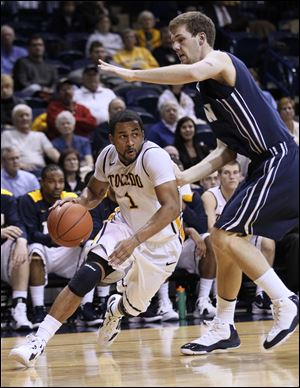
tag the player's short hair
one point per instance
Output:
(123, 117)
(231, 163)
(49, 168)
(195, 22)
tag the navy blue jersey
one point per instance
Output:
(34, 211)
(240, 116)
(266, 204)
(9, 212)
(194, 215)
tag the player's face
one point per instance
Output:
(210, 181)
(230, 177)
(128, 139)
(186, 46)
(53, 185)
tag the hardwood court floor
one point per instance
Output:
(151, 358)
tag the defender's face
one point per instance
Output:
(186, 46)
(128, 139)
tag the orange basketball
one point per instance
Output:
(70, 224)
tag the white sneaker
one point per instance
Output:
(28, 353)
(219, 337)
(111, 326)
(166, 311)
(204, 308)
(286, 317)
(19, 317)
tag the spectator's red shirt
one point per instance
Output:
(85, 121)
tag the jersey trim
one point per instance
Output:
(6, 192)
(150, 148)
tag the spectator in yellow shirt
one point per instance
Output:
(133, 56)
(148, 36)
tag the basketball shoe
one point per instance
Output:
(204, 308)
(219, 337)
(19, 316)
(286, 317)
(28, 353)
(111, 326)
(167, 311)
(261, 304)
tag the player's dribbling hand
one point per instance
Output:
(60, 202)
(126, 74)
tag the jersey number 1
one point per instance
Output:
(132, 204)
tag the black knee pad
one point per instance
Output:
(85, 279)
(106, 268)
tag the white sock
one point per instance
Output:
(19, 294)
(205, 287)
(103, 291)
(115, 310)
(273, 285)
(37, 295)
(259, 290)
(48, 328)
(225, 310)
(163, 292)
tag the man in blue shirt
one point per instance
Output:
(14, 179)
(9, 52)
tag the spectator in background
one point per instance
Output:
(147, 36)
(85, 121)
(99, 138)
(8, 101)
(186, 106)
(266, 93)
(45, 256)
(65, 19)
(34, 146)
(133, 56)
(111, 41)
(163, 132)
(164, 54)
(96, 52)
(14, 259)
(190, 150)
(14, 179)
(69, 162)
(286, 109)
(91, 11)
(32, 74)
(93, 95)
(9, 52)
(65, 124)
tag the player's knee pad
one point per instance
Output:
(85, 279)
(105, 267)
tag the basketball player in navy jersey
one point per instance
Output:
(267, 202)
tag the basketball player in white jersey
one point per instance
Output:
(139, 244)
(214, 201)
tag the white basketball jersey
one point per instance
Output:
(134, 185)
(221, 201)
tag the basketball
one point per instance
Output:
(70, 224)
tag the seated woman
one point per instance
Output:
(69, 162)
(190, 150)
(65, 124)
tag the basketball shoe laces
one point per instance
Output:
(213, 332)
(276, 312)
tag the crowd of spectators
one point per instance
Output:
(56, 104)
